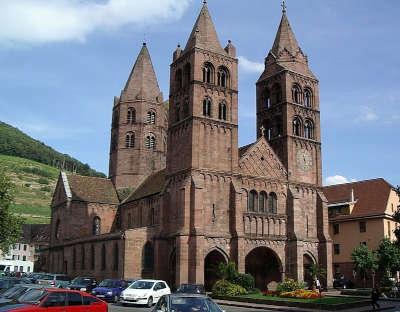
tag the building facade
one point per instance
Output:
(197, 198)
(359, 213)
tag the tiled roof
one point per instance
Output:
(152, 185)
(244, 149)
(371, 196)
(285, 38)
(36, 233)
(92, 189)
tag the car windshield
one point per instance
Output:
(108, 283)
(193, 304)
(47, 277)
(142, 285)
(4, 283)
(81, 280)
(9, 292)
(33, 296)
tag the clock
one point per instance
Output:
(304, 159)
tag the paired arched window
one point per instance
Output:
(151, 141)
(267, 99)
(277, 93)
(148, 256)
(131, 115)
(178, 79)
(253, 201)
(208, 73)
(222, 111)
(58, 229)
(222, 77)
(186, 75)
(296, 94)
(130, 140)
(96, 227)
(308, 98)
(103, 257)
(278, 129)
(297, 124)
(116, 257)
(272, 203)
(207, 107)
(262, 202)
(308, 129)
(151, 117)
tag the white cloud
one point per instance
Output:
(367, 114)
(40, 21)
(250, 66)
(338, 179)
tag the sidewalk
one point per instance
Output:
(384, 306)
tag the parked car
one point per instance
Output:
(186, 302)
(144, 292)
(191, 289)
(35, 276)
(109, 289)
(56, 300)
(8, 282)
(54, 280)
(13, 294)
(83, 283)
(342, 282)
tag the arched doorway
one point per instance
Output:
(264, 265)
(211, 262)
(308, 262)
(148, 260)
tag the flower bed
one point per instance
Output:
(301, 294)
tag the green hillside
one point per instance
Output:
(14, 142)
(34, 186)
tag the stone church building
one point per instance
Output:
(182, 196)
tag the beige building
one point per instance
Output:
(359, 213)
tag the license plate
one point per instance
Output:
(100, 296)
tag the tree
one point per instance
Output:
(364, 260)
(388, 257)
(396, 216)
(10, 225)
(317, 271)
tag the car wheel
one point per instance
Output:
(150, 302)
(115, 299)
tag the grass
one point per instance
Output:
(34, 187)
(323, 300)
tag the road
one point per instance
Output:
(118, 308)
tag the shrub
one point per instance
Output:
(43, 181)
(45, 188)
(27, 185)
(289, 285)
(225, 288)
(244, 280)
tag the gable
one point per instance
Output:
(260, 160)
(60, 193)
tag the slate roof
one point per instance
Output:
(92, 189)
(154, 184)
(371, 196)
(285, 38)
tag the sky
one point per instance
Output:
(63, 61)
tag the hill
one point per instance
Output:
(34, 187)
(14, 142)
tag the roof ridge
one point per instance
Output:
(357, 182)
(84, 176)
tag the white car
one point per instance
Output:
(144, 291)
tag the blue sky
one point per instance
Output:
(62, 62)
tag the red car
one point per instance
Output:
(57, 300)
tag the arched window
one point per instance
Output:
(131, 116)
(272, 203)
(186, 75)
(92, 257)
(296, 94)
(297, 126)
(207, 107)
(116, 257)
(152, 216)
(277, 126)
(103, 257)
(253, 201)
(148, 257)
(130, 140)
(58, 229)
(186, 107)
(308, 129)
(267, 99)
(262, 202)
(308, 98)
(82, 257)
(208, 73)
(222, 77)
(151, 141)
(276, 94)
(151, 117)
(267, 128)
(222, 111)
(96, 229)
(178, 79)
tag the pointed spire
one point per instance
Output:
(203, 34)
(142, 82)
(285, 38)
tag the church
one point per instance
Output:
(182, 196)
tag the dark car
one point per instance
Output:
(191, 289)
(83, 284)
(343, 283)
(13, 294)
(109, 289)
(54, 280)
(8, 282)
(186, 302)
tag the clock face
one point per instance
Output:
(304, 159)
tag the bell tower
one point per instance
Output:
(203, 102)
(288, 112)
